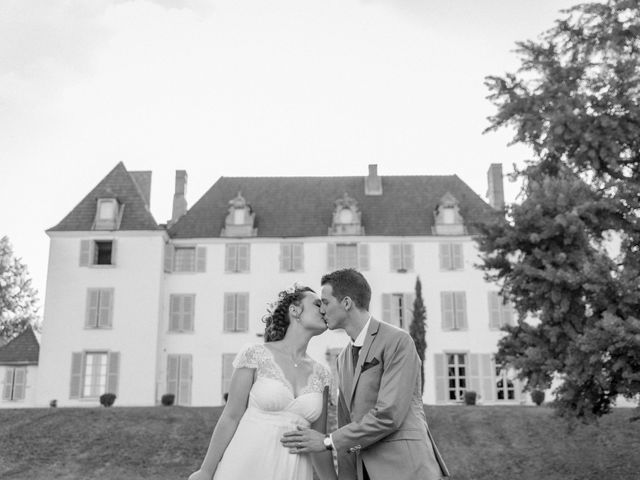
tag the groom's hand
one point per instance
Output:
(303, 440)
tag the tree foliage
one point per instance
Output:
(18, 301)
(576, 102)
(417, 328)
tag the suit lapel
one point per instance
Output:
(374, 325)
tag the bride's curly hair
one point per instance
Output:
(277, 319)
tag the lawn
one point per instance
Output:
(162, 443)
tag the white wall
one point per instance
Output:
(137, 281)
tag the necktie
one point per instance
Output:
(355, 353)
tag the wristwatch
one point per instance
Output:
(327, 442)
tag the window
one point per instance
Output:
(94, 373)
(236, 312)
(107, 214)
(456, 376)
(504, 385)
(181, 313)
(454, 310)
(15, 383)
(99, 308)
(103, 253)
(451, 256)
(97, 252)
(227, 371)
(500, 313)
(291, 257)
(401, 257)
(184, 259)
(237, 257)
(179, 375)
(397, 309)
(348, 255)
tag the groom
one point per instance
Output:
(382, 430)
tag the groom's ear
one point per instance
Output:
(347, 302)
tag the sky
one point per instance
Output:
(245, 88)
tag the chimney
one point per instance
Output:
(179, 200)
(143, 181)
(495, 192)
(373, 183)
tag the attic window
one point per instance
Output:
(346, 217)
(448, 220)
(448, 215)
(107, 214)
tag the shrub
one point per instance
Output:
(53, 403)
(470, 397)
(537, 396)
(107, 399)
(168, 399)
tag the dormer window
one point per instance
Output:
(240, 219)
(107, 214)
(448, 220)
(346, 218)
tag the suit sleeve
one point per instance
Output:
(397, 385)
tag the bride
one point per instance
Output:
(275, 388)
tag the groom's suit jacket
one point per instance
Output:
(381, 419)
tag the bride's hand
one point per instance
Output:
(200, 475)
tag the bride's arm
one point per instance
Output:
(241, 382)
(323, 461)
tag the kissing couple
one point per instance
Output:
(274, 425)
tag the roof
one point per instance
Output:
(304, 206)
(22, 350)
(118, 184)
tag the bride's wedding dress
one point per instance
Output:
(255, 450)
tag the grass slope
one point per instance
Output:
(497, 443)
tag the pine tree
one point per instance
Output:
(18, 300)
(575, 102)
(417, 327)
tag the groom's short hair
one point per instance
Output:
(348, 282)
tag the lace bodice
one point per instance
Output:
(273, 392)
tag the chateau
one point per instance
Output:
(141, 309)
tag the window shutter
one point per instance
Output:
(20, 383)
(396, 257)
(8, 384)
(113, 365)
(85, 252)
(229, 312)
(243, 257)
(494, 310)
(201, 259)
(93, 304)
(184, 392)
(297, 257)
(105, 311)
(475, 380)
(114, 248)
(407, 300)
(188, 311)
(487, 371)
(331, 256)
(173, 363)
(175, 312)
(446, 300)
(232, 257)
(242, 312)
(442, 379)
(76, 375)
(507, 314)
(407, 256)
(168, 257)
(461, 310)
(285, 257)
(457, 262)
(445, 256)
(386, 307)
(363, 256)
